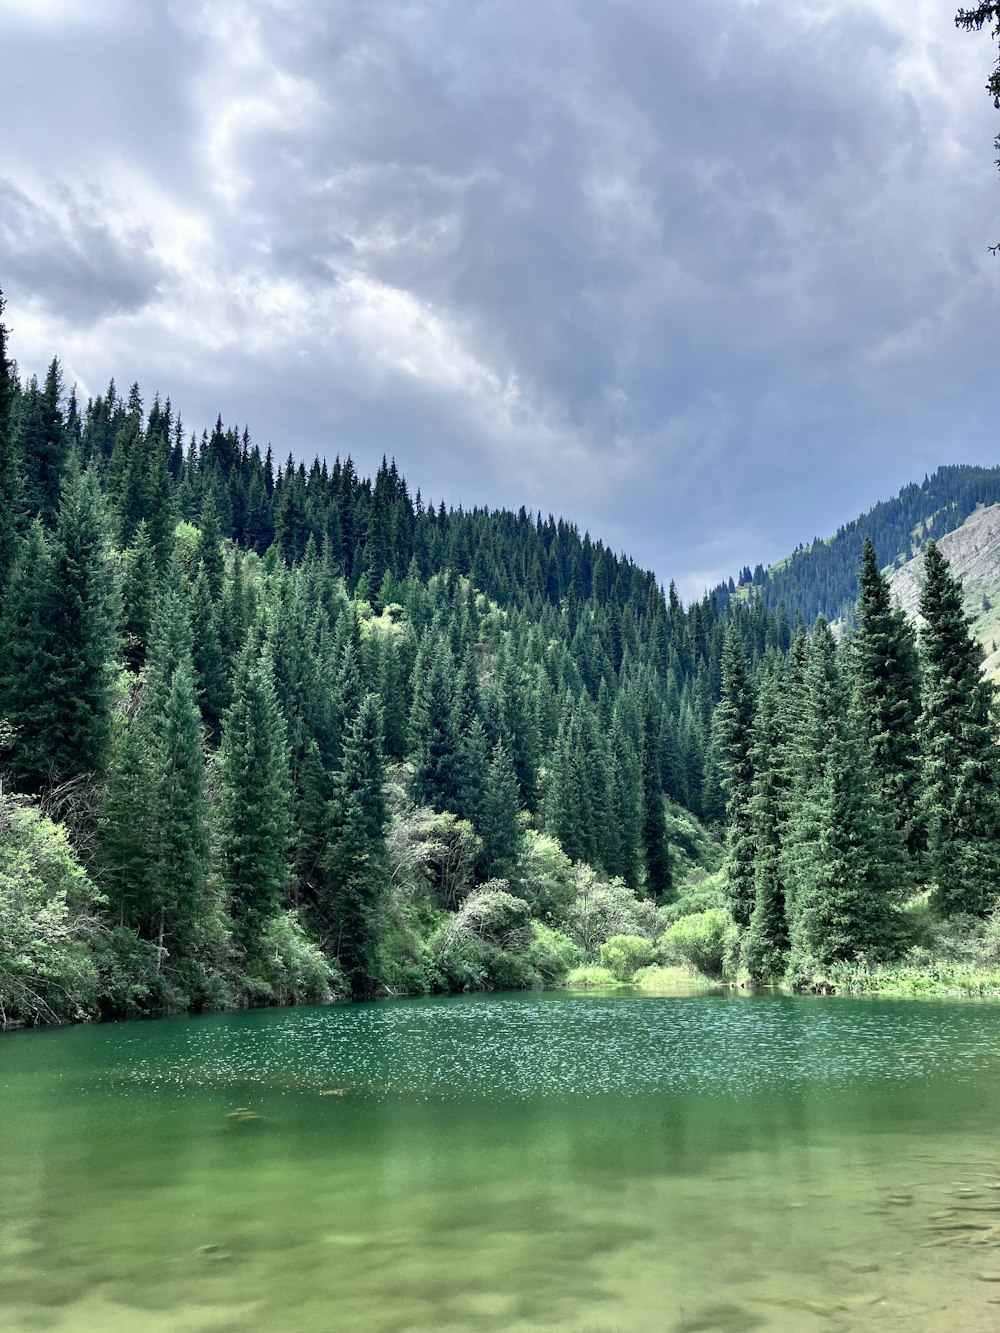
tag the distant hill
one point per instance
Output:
(821, 578)
(973, 552)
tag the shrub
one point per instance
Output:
(601, 909)
(591, 977)
(491, 944)
(623, 955)
(131, 977)
(546, 878)
(291, 969)
(48, 924)
(703, 939)
(551, 953)
(697, 896)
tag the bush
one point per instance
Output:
(551, 953)
(492, 944)
(623, 955)
(692, 847)
(131, 977)
(703, 939)
(601, 909)
(48, 925)
(698, 896)
(546, 878)
(291, 969)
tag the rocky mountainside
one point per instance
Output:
(973, 552)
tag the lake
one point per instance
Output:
(528, 1162)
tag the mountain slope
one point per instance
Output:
(973, 552)
(821, 578)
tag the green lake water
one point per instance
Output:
(532, 1162)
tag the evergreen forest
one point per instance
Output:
(277, 732)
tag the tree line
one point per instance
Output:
(858, 773)
(298, 729)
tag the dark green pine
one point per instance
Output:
(960, 752)
(255, 829)
(500, 824)
(734, 734)
(887, 684)
(356, 859)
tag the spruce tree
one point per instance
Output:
(127, 829)
(26, 659)
(181, 835)
(659, 876)
(255, 829)
(765, 947)
(140, 587)
(734, 736)
(887, 682)
(846, 862)
(356, 860)
(433, 738)
(11, 479)
(960, 752)
(500, 827)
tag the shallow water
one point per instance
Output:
(517, 1162)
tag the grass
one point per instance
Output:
(931, 979)
(593, 977)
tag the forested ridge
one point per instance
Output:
(822, 578)
(273, 732)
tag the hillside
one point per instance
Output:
(822, 578)
(973, 553)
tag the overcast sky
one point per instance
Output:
(707, 278)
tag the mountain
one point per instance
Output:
(973, 553)
(822, 578)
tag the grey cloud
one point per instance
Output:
(719, 250)
(75, 264)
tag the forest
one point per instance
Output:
(275, 732)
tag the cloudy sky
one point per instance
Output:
(708, 278)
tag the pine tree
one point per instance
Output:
(356, 863)
(11, 479)
(208, 658)
(26, 701)
(887, 682)
(659, 876)
(181, 835)
(734, 734)
(60, 644)
(139, 593)
(433, 740)
(255, 829)
(500, 827)
(765, 948)
(845, 857)
(127, 830)
(959, 744)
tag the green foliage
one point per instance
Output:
(555, 725)
(591, 977)
(704, 940)
(546, 878)
(552, 954)
(708, 891)
(48, 923)
(601, 910)
(255, 801)
(623, 955)
(290, 968)
(960, 749)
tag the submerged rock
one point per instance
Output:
(243, 1116)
